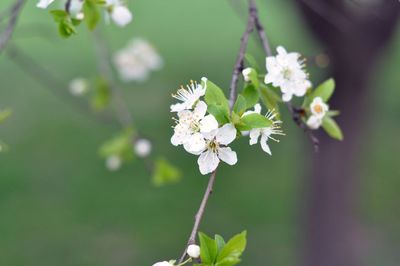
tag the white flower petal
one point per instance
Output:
(121, 15)
(227, 155)
(44, 3)
(314, 122)
(195, 144)
(286, 97)
(254, 135)
(200, 110)
(226, 134)
(208, 124)
(264, 144)
(208, 161)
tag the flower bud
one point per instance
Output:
(142, 147)
(163, 263)
(246, 73)
(193, 251)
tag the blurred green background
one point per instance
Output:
(59, 205)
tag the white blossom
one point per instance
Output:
(119, 13)
(163, 263)
(142, 147)
(216, 149)
(193, 251)
(113, 162)
(246, 73)
(75, 9)
(285, 70)
(265, 132)
(318, 110)
(137, 60)
(44, 3)
(189, 96)
(78, 86)
(190, 127)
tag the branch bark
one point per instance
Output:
(14, 14)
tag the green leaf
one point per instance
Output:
(250, 121)
(252, 61)
(5, 114)
(324, 90)
(165, 173)
(232, 251)
(215, 96)
(66, 29)
(219, 112)
(333, 113)
(333, 130)
(219, 240)
(120, 145)
(270, 99)
(240, 105)
(59, 15)
(92, 14)
(208, 249)
(251, 94)
(102, 94)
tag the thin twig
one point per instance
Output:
(45, 77)
(121, 109)
(14, 14)
(240, 58)
(199, 214)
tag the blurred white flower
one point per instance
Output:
(119, 13)
(265, 132)
(285, 70)
(142, 147)
(163, 263)
(189, 96)
(318, 110)
(78, 86)
(80, 16)
(193, 251)
(44, 3)
(137, 60)
(75, 8)
(113, 162)
(216, 149)
(191, 125)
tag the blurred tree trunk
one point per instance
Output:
(354, 38)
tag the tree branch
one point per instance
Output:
(14, 14)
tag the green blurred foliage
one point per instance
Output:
(60, 206)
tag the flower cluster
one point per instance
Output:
(136, 61)
(286, 71)
(205, 128)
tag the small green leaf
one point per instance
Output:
(270, 99)
(332, 128)
(324, 90)
(250, 121)
(59, 15)
(240, 105)
(208, 249)
(102, 94)
(92, 14)
(215, 96)
(219, 112)
(120, 145)
(333, 113)
(165, 173)
(252, 61)
(251, 94)
(4, 114)
(232, 251)
(219, 240)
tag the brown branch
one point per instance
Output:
(199, 214)
(14, 14)
(240, 58)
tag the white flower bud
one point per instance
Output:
(78, 86)
(163, 263)
(80, 16)
(142, 147)
(193, 251)
(246, 73)
(121, 15)
(44, 3)
(113, 163)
